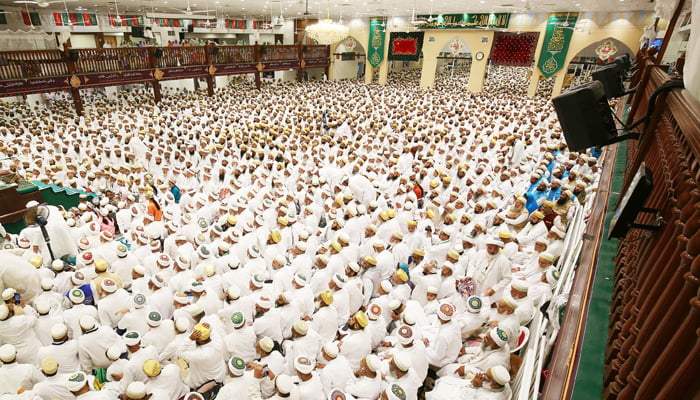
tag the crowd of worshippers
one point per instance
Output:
(226, 248)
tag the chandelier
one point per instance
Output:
(327, 32)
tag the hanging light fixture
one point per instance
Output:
(327, 32)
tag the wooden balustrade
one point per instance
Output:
(654, 313)
(234, 54)
(182, 56)
(40, 71)
(111, 59)
(654, 335)
(279, 53)
(314, 52)
(32, 64)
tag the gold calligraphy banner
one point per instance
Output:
(560, 29)
(377, 37)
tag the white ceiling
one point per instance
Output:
(348, 9)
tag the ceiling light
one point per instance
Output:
(327, 32)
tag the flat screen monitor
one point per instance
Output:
(632, 203)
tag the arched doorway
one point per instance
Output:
(582, 65)
(454, 62)
(349, 61)
(511, 62)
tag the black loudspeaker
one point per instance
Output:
(73, 56)
(190, 28)
(214, 51)
(137, 31)
(585, 117)
(611, 78)
(182, 36)
(158, 53)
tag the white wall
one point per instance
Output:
(82, 41)
(346, 69)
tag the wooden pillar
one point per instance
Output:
(210, 50)
(300, 70)
(153, 62)
(70, 55)
(258, 59)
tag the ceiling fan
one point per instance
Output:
(118, 19)
(42, 3)
(188, 11)
(417, 21)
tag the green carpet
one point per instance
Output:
(589, 378)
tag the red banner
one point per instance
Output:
(405, 46)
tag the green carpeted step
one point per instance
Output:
(589, 378)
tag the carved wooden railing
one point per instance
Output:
(182, 56)
(109, 60)
(32, 64)
(279, 53)
(38, 71)
(653, 341)
(653, 347)
(234, 54)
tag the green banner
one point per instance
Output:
(377, 37)
(464, 21)
(560, 28)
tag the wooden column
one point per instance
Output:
(258, 60)
(300, 70)
(73, 70)
(210, 56)
(153, 61)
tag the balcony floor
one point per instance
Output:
(589, 378)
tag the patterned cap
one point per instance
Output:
(446, 311)
(395, 392)
(337, 394)
(154, 318)
(76, 381)
(236, 365)
(76, 296)
(499, 336)
(405, 334)
(237, 319)
(474, 303)
(139, 300)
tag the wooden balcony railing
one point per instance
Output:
(32, 64)
(109, 60)
(234, 55)
(39, 71)
(279, 53)
(182, 56)
(653, 349)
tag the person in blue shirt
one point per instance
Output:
(537, 196)
(535, 179)
(175, 191)
(596, 151)
(554, 190)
